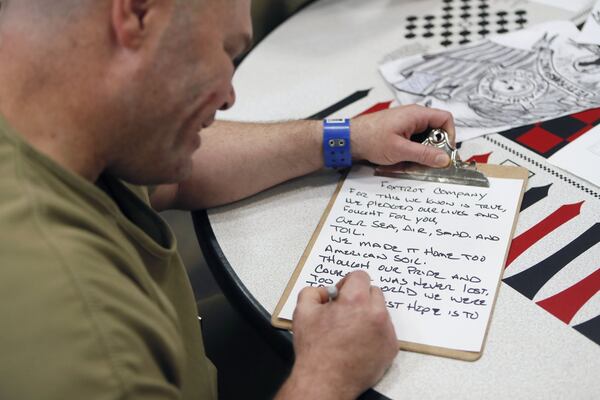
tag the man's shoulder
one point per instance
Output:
(44, 223)
(75, 320)
(78, 315)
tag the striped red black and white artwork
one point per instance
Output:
(557, 241)
(556, 244)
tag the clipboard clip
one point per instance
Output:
(458, 172)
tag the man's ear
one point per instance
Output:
(129, 21)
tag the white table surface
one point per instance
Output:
(321, 55)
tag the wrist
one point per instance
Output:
(311, 383)
(357, 143)
(310, 139)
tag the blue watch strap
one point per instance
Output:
(336, 143)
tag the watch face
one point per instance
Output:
(511, 87)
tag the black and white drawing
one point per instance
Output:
(452, 22)
(591, 30)
(491, 84)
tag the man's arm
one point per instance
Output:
(236, 160)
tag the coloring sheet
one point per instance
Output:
(590, 33)
(505, 81)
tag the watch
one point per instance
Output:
(336, 143)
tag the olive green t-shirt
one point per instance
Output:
(94, 300)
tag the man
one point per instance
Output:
(95, 301)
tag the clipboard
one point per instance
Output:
(457, 172)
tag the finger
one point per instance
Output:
(377, 297)
(448, 126)
(423, 118)
(356, 284)
(342, 281)
(451, 129)
(422, 154)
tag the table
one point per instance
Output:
(326, 56)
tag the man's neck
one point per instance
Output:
(50, 129)
(51, 103)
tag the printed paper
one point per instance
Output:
(582, 157)
(503, 82)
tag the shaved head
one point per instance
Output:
(119, 86)
(49, 11)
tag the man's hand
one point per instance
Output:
(342, 347)
(383, 138)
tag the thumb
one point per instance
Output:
(426, 155)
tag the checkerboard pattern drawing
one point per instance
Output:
(546, 138)
(463, 21)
